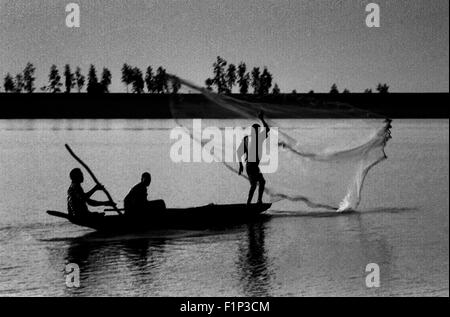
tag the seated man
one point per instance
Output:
(77, 199)
(136, 202)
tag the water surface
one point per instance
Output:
(401, 224)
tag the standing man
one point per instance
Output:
(251, 147)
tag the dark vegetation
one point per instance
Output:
(150, 94)
(227, 79)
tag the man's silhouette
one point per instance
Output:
(77, 199)
(251, 147)
(136, 202)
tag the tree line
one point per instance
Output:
(24, 81)
(158, 82)
(381, 88)
(225, 78)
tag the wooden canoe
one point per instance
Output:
(197, 217)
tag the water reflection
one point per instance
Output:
(136, 263)
(102, 258)
(373, 245)
(377, 249)
(255, 275)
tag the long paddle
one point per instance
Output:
(93, 177)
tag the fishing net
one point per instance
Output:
(312, 164)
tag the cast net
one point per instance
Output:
(308, 163)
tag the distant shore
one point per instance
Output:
(157, 106)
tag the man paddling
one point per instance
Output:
(251, 147)
(136, 202)
(77, 199)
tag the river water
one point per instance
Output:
(402, 224)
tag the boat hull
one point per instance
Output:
(191, 218)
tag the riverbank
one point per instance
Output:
(157, 106)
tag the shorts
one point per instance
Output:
(253, 172)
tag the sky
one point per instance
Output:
(306, 44)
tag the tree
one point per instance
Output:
(276, 90)
(8, 83)
(245, 84)
(161, 80)
(368, 91)
(265, 82)
(219, 75)
(127, 75)
(92, 86)
(209, 82)
(231, 78)
(54, 80)
(256, 80)
(69, 78)
(149, 80)
(79, 79)
(334, 89)
(175, 83)
(19, 84)
(106, 80)
(243, 78)
(137, 81)
(346, 91)
(383, 88)
(28, 77)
